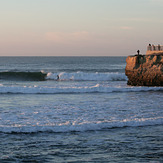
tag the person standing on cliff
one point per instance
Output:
(159, 47)
(153, 48)
(149, 47)
(138, 52)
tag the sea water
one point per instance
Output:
(89, 114)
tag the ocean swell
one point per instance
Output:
(73, 89)
(24, 76)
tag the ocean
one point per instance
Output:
(77, 109)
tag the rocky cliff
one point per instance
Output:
(145, 70)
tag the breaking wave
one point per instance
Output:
(83, 127)
(76, 76)
(83, 76)
(73, 89)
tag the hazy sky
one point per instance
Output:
(79, 27)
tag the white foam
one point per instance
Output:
(82, 127)
(82, 76)
(73, 89)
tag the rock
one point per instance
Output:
(144, 70)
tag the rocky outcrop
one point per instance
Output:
(145, 70)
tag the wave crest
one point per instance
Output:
(83, 76)
(75, 76)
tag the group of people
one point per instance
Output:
(154, 48)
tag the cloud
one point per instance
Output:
(65, 37)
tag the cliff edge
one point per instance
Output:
(144, 70)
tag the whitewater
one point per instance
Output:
(88, 114)
(73, 89)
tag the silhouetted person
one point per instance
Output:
(153, 48)
(57, 77)
(138, 52)
(149, 47)
(159, 48)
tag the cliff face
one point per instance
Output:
(145, 70)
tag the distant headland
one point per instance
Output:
(146, 70)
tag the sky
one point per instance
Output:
(79, 27)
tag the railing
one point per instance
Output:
(155, 48)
